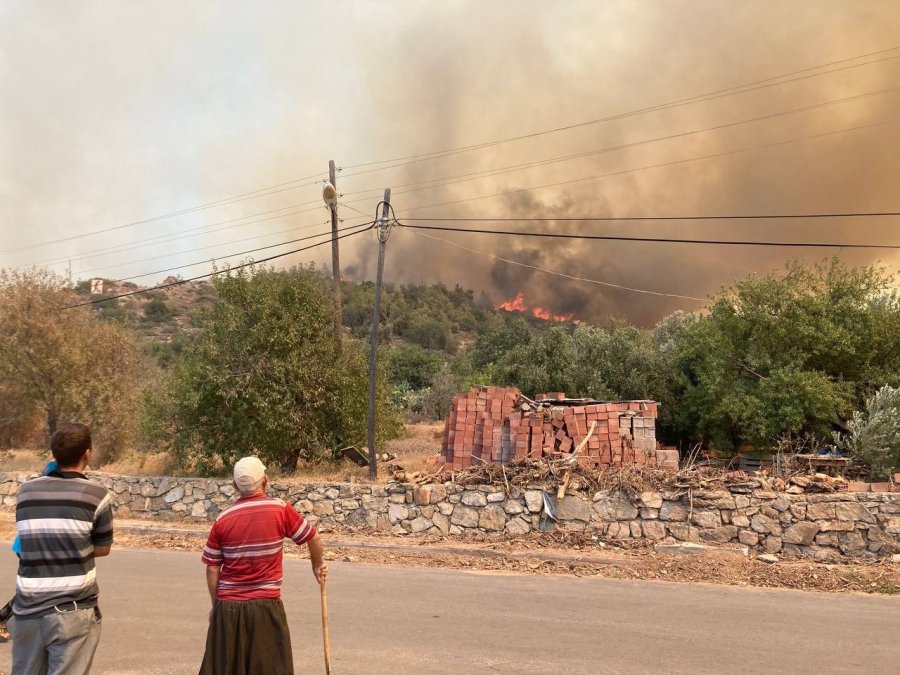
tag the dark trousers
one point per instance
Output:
(249, 637)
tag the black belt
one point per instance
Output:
(73, 606)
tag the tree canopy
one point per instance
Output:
(264, 376)
(64, 360)
(787, 352)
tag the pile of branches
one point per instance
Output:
(549, 473)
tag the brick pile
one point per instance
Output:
(498, 425)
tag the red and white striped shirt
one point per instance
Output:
(246, 541)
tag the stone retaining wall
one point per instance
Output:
(819, 526)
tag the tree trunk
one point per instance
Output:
(288, 463)
(52, 421)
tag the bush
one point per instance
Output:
(873, 439)
(412, 365)
(157, 311)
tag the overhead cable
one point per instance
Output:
(184, 234)
(737, 89)
(658, 240)
(232, 255)
(687, 160)
(200, 207)
(213, 273)
(488, 173)
(556, 273)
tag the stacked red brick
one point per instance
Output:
(489, 425)
(474, 431)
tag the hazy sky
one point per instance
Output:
(114, 112)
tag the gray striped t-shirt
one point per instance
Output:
(61, 518)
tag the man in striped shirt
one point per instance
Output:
(64, 523)
(248, 631)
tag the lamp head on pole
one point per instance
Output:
(329, 194)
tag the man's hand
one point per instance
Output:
(317, 558)
(320, 571)
(212, 583)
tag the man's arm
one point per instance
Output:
(212, 581)
(317, 558)
(102, 532)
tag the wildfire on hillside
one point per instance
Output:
(517, 304)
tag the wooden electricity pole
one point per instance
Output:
(335, 257)
(384, 231)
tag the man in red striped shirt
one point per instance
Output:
(248, 630)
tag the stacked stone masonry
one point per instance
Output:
(822, 527)
(491, 425)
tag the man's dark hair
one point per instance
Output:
(69, 444)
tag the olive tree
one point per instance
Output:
(63, 360)
(265, 376)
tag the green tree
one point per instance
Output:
(783, 353)
(543, 364)
(264, 376)
(64, 361)
(412, 365)
(491, 346)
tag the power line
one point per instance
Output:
(203, 248)
(589, 219)
(204, 276)
(737, 89)
(231, 255)
(292, 184)
(656, 166)
(659, 240)
(558, 274)
(203, 229)
(487, 173)
(200, 207)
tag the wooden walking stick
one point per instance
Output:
(325, 628)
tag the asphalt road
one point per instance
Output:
(412, 620)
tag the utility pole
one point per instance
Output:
(384, 231)
(335, 256)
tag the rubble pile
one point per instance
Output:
(497, 425)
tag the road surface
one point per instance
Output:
(389, 620)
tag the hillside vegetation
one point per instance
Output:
(770, 359)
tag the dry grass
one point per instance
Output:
(24, 460)
(414, 452)
(135, 464)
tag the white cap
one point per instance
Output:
(248, 471)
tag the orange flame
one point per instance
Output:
(517, 304)
(542, 313)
